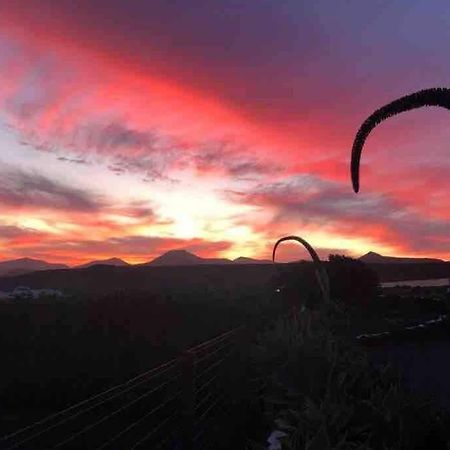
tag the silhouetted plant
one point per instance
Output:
(352, 281)
(427, 97)
(297, 286)
(321, 274)
(324, 393)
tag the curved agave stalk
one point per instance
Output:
(426, 97)
(321, 273)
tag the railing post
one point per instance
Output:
(188, 399)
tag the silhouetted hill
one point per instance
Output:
(104, 262)
(164, 279)
(25, 265)
(184, 258)
(161, 280)
(244, 260)
(376, 258)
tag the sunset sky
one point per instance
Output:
(129, 128)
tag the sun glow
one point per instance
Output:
(37, 224)
(112, 149)
(354, 246)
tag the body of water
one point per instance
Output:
(414, 283)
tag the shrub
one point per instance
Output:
(352, 281)
(324, 393)
(298, 286)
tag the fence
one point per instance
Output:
(169, 407)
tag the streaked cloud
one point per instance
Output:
(222, 122)
(31, 190)
(138, 249)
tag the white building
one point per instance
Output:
(26, 293)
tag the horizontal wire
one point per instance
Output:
(217, 350)
(204, 401)
(214, 365)
(117, 411)
(146, 416)
(206, 384)
(152, 433)
(94, 397)
(211, 342)
(73, 416)
(203, 345)
(124, 388)
(207, 437)
(218, 399)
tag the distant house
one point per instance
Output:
(22, 292)
(26, 293)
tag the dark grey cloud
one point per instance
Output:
(153, 155)
(236, 160)
(113, 136)
(131, 150)
(124, 149)
(11, 232)
(271, 57)
(29, 189)
(79, 161)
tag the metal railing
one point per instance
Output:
(168, 407)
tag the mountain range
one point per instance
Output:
(170, 258)
(376, 258)
(25, 265)
(180, 258)
(185, 258)
(104, 262)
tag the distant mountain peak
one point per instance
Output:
(373, 257)
(116, 260)
(177, 257)
(246, 260)
(181, 257)
(24, 265)
(179, 251)
(105, 262)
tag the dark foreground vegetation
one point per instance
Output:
(102, 279)
(56, 352)
(320, 387)
(323, 392)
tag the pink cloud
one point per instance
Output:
(141, 103)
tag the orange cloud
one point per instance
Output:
(96, 95)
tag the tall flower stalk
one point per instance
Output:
(427, 97)
(321, 273)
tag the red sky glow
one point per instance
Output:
(131, 128)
